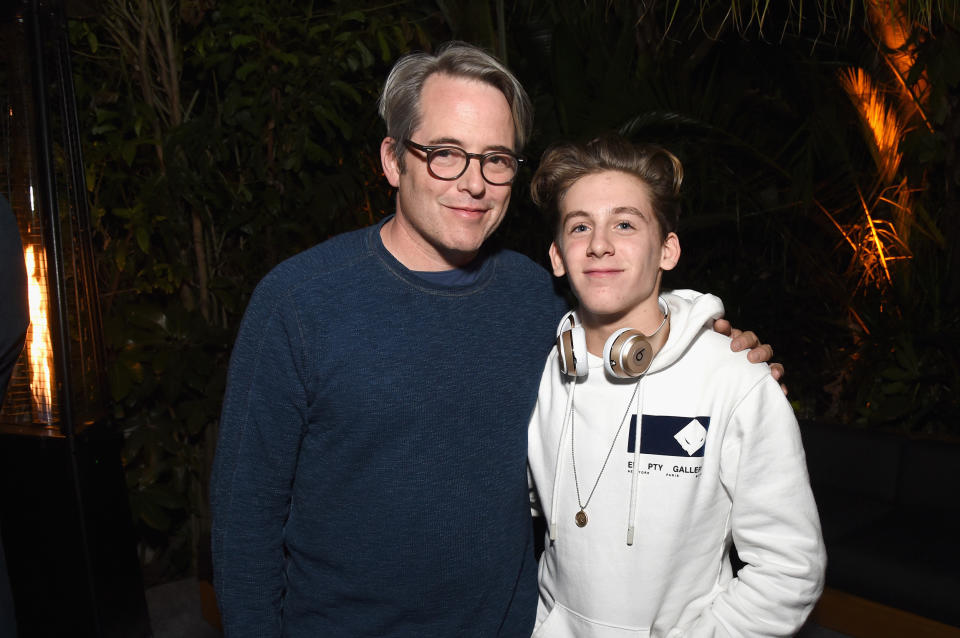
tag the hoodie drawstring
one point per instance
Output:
(567, 417)
(636, 465)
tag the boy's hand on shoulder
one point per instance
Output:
(759, 352)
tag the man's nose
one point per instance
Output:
(472, 179)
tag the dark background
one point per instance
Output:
(222, 137)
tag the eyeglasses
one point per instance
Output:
(450, 162)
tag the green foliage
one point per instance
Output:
(266, 144)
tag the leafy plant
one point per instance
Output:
(220, 139)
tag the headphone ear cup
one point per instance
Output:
(572, 347)
(565, 352)
(627, 354)
(579, 337)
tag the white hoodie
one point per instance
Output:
(720, 460)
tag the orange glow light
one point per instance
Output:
(878, 117)
(38, 338)
(893, 26)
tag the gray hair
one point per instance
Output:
(399, 103)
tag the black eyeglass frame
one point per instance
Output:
(480, 157)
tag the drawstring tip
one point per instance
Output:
(630, 535)
(553, 533)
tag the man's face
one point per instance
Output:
(609, 245)
(442, 224)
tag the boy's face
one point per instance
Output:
(610, 247)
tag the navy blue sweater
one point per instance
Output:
(370, 478)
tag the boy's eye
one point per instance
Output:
(624, 225)
(578, 228)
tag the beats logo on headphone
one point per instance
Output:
(627, 353)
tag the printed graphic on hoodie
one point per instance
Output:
(682, 437)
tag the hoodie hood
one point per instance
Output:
(690, 312)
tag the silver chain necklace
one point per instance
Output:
(581, 516)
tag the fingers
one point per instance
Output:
(760, 353)
(723, 327)
(749, 339)
(777, 371)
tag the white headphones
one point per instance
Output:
(627, 353)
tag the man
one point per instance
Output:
(14, 320)
(370, 477)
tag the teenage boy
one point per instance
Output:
(653, 447)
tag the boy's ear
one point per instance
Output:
(388, 159)
(670, 252)
(557, 260)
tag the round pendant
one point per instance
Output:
(581, 518)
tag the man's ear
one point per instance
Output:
(670, 252)
(388, 159)
(557, 260)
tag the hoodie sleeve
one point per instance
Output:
(774, 523)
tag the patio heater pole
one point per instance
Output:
(65, 519)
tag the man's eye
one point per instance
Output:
(444, 153)
(498, 160)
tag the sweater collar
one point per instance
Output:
(481, 268)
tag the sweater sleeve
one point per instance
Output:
(261, 427)
(774, 523)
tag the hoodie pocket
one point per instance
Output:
(566, 623)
